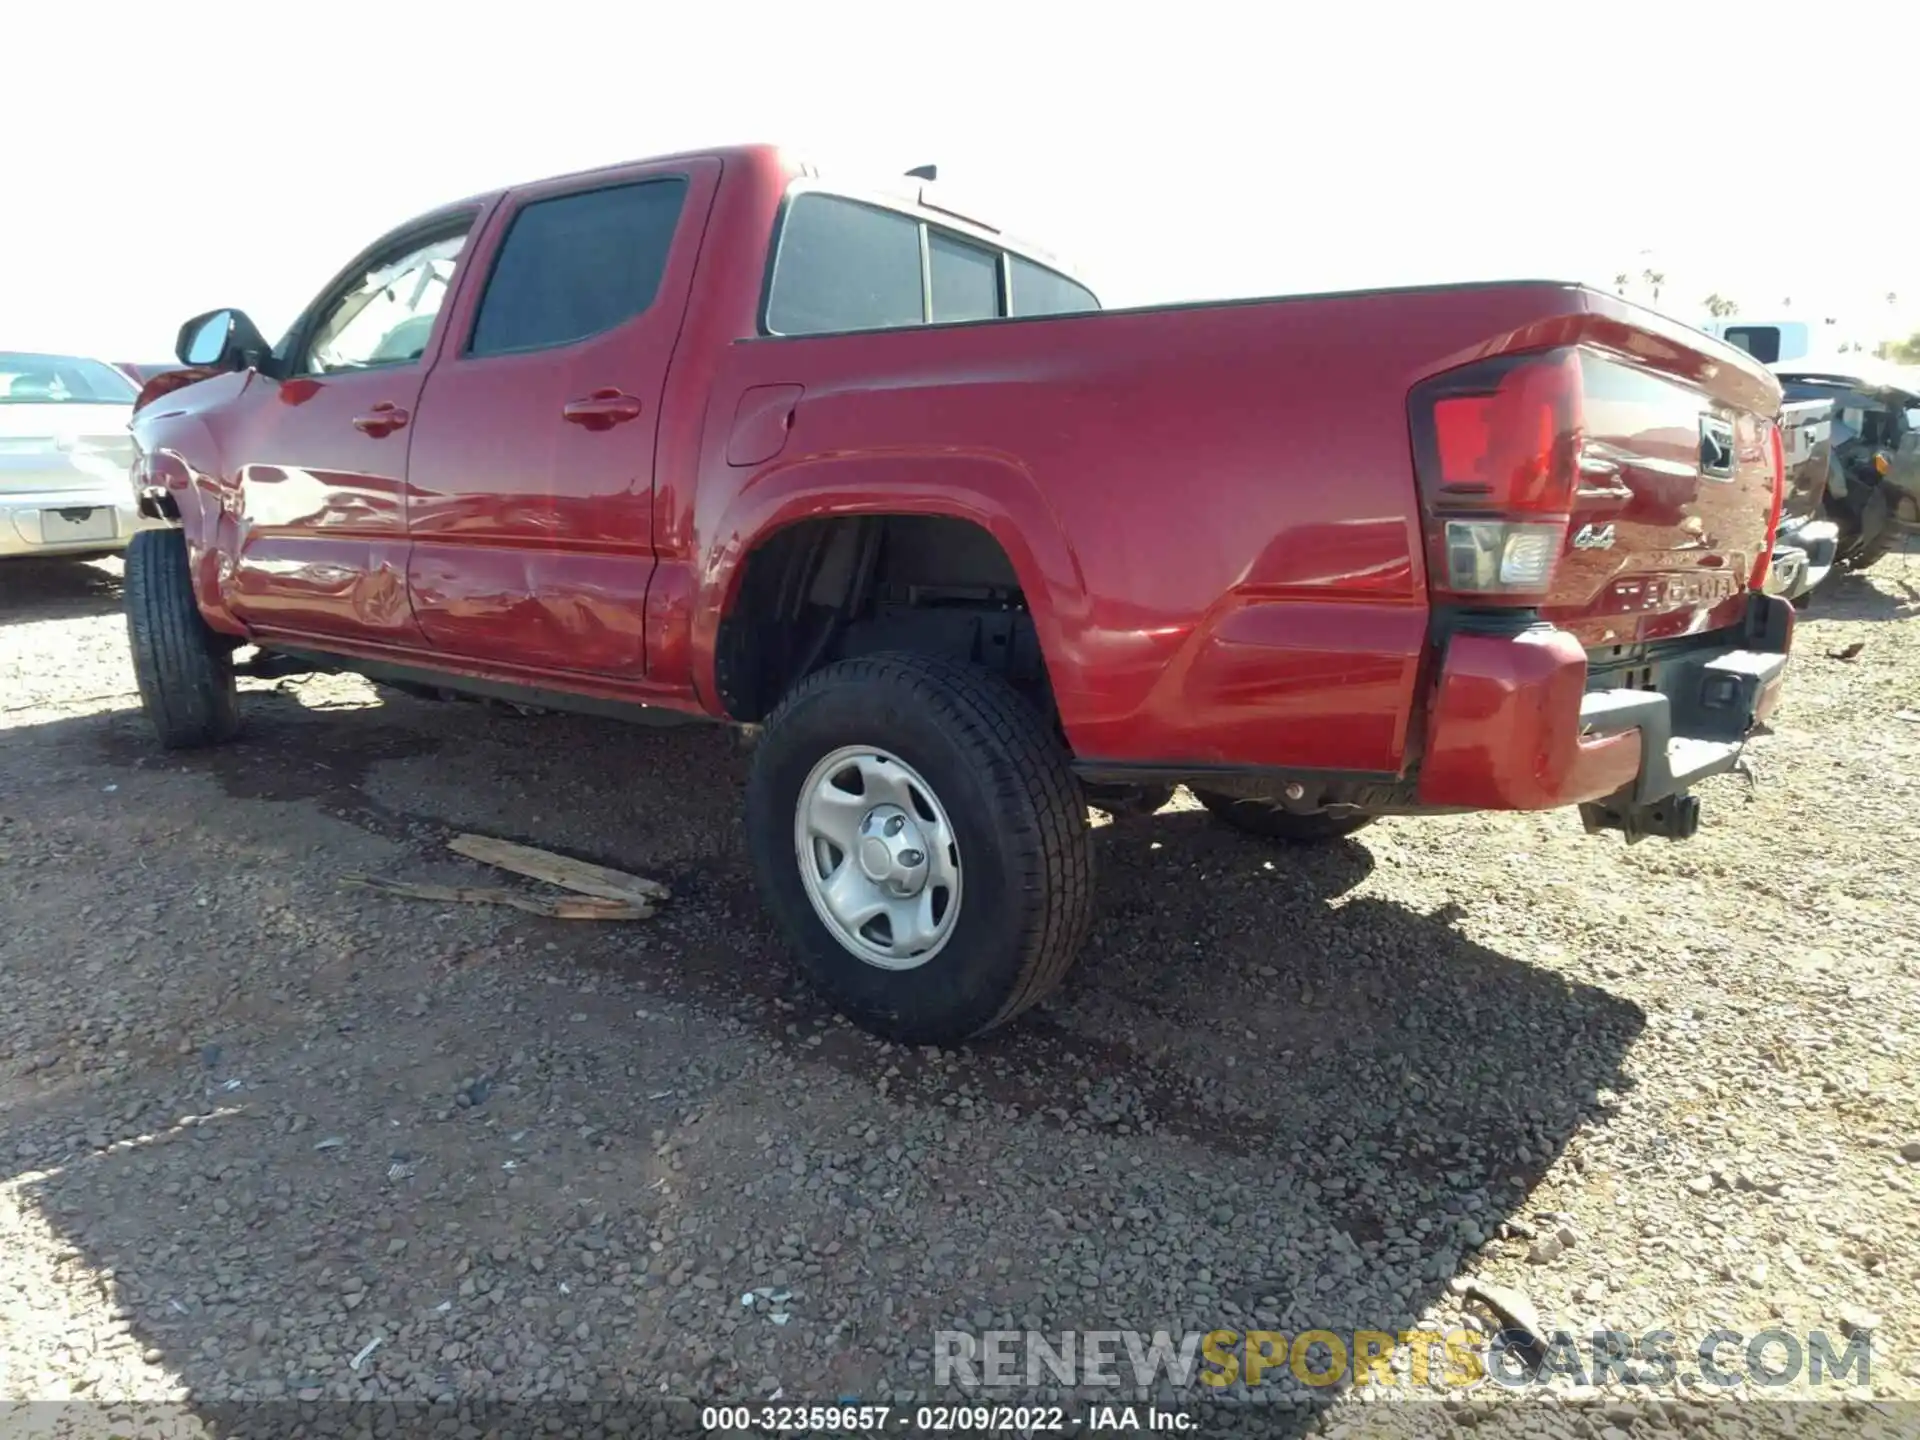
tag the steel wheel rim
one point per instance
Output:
(880, 863)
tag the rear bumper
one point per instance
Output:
(1516, 726)
(93, 521)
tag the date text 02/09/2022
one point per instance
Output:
(940, 1419)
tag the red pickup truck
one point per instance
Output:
(715, 433)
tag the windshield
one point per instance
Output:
(28, 379)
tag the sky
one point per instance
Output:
(165, 160)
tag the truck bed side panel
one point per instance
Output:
(1223, 549)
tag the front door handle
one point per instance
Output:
(602, 410)
(383, 419)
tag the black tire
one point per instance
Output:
(1882, 546)
(184, 670)
(1018, 820)
(1271, 821)
(1877, 521)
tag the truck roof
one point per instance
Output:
(930, 200)
(763, 154)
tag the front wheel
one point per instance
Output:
(184, 670)
(1872, 553)
(920, 837)
(1876, 521)
(1272, 821)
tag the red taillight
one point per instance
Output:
(1497, 451)
(1777, 449)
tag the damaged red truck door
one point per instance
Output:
(530, 484)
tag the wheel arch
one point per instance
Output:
(173, 489)
(988, 494)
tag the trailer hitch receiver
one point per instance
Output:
(1677, 817)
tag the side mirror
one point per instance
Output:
(223, 338)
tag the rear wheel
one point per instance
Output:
(1272, 821)
(184, 670)
(919, 836)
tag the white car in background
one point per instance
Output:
(65, 452)
(1768, 341)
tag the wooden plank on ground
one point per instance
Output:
(557, 907)
(561, 870)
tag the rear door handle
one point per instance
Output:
(383, 419)
(602, 410)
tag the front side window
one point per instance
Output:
(844, 266)
(386, 317)
(1040, 291)
(27, 378)
(578, 265)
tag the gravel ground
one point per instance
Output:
(256, 1121)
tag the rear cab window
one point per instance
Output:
(842, 264)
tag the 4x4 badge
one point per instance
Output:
(1593, 537)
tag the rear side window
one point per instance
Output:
(1760, 341)
(577, 265)
(966, 279)
(844, 266)
(1040, 291)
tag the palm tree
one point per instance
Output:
(1620, 283)
(1718, 305)
(1654, 281)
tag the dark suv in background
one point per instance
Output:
(1872, 490)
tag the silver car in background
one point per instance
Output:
(64, 456)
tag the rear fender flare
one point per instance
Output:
(991, 491)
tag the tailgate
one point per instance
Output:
(1674, 500)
